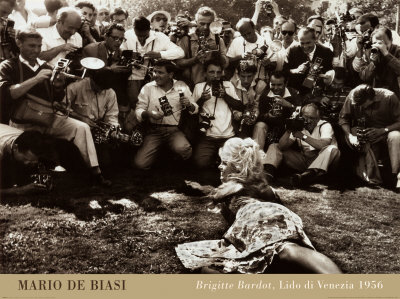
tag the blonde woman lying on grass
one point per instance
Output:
(263, 232)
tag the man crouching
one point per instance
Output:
(160, 104)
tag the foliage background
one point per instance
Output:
(233, 10)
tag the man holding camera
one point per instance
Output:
(8, 48)
(305, 62)
(63, 37)
(370, 119)
(200, 47)
(309, 147)
(252, 47)
(25, 80)
(216, 100)
(381, 68)
(149, 45)
(160, 105)
(276, 104)
(109, 51)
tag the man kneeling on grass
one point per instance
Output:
(311, 151)
(160, 105)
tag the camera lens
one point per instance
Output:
(374, 51)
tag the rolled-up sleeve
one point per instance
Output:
(143, 102)
(170, 50)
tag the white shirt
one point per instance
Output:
(323, 130)
(34, 68)
(157, 42)
(311, 55)
(222, 124)
(19, 20)
(52, 39)
(239, 46)
(150, 94)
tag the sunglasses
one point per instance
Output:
(159, 19)
(118, 39)
(284, 32)
(104, 14)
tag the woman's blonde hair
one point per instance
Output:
(245, 156)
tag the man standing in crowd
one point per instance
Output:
(160, 104)
(149, 45)
(375, 111)
(120, 16)
(315, 153)
(382, 67)
(242, 47)
(87, 10)
(22, 16)
(109, 51)
(50, 19)
(159, 20)
(302, 61)
(27, 77)
(200, 47)
(216, 100)
(8, 48)
(61, 38)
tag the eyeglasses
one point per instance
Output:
(159, 19)
(284, 32)
(104, 13)
(118, 39)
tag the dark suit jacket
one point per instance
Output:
(119, 81)
(296, 56)
(99, 50)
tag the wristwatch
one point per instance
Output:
(304, 137)
(386, 130)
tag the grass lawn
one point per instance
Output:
(134, 226)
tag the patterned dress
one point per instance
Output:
(261, 230)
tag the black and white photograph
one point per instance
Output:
(199, 137)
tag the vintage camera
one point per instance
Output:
(205, 122)
(104, 133)
(267, 6)
(5, 36)
(260, 53)
(313, 73)
(61, 66)
(216, 86)
(375, 50)
(165, 106)
(296, 122)
(43, 179)
(366, 40)
(130, 58)
(361, 131)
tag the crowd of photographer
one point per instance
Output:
(315, 97)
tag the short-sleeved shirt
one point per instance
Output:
(323, 130)
(190, 46)
(96, 106)
(149, 99)
(52, 39)
(157, 42)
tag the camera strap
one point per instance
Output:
(46, 83)
(216, 100)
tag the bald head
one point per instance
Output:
(68, 22)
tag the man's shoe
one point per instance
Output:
(101, 181)
(305, 179)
